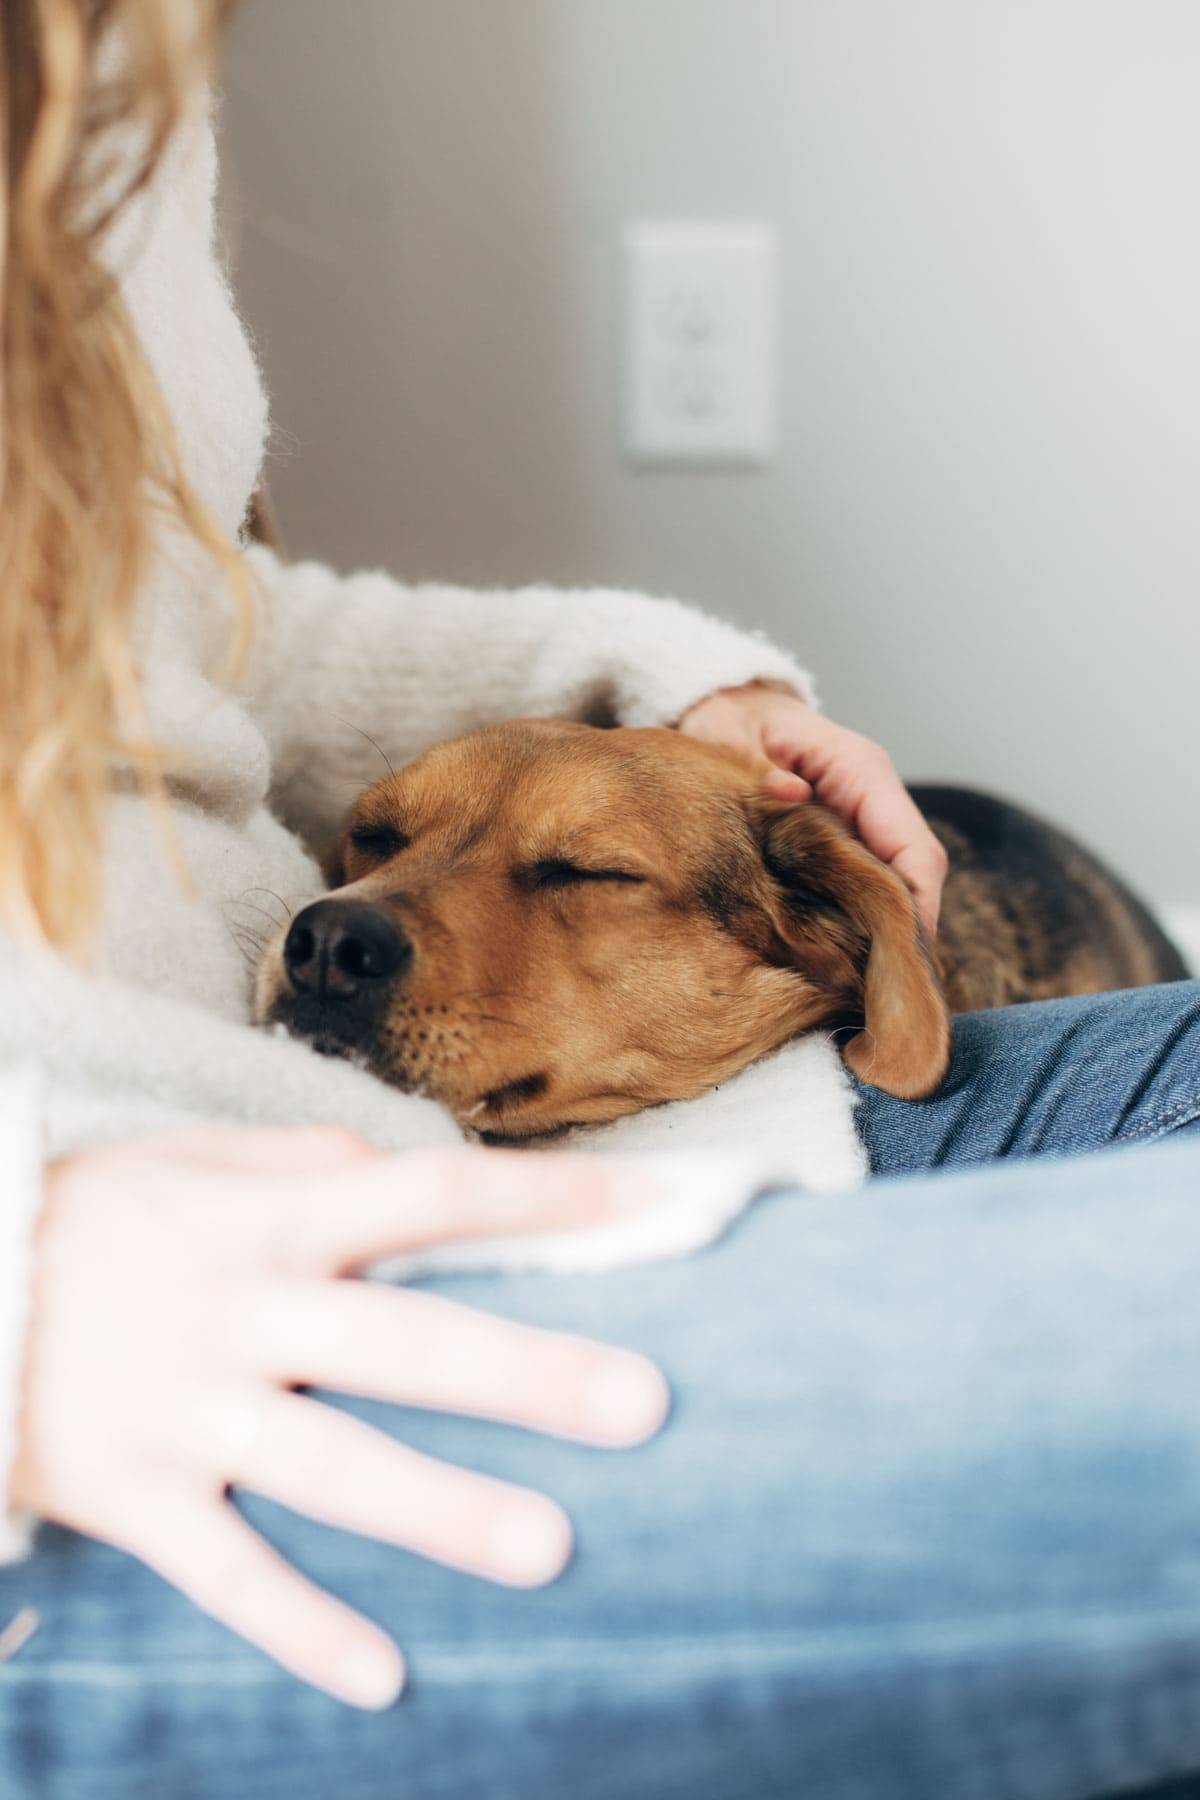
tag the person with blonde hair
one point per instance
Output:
(182, 1199)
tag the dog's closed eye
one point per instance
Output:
(378, 840)
(557, 872)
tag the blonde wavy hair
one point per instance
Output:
(90, 92)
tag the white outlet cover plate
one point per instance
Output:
(701, 330)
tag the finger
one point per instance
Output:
(270, 1149)
(857, 779)
(923, 870)
(744, 728)
(420, 1349)
(836, 761)
(723, 721)
(773, 765)
(892, 825)
(336, 1469)
(398, 1204)
(200, 1545)
(782, 783)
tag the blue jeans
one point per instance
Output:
(925, 1525)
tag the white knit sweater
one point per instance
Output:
(160, 1036)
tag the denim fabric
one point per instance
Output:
(925, 1525)
(1058, 1078)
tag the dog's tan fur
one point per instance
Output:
(725, 925)
(604, 920)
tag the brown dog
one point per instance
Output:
(544, 925)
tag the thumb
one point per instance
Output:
(782, 783)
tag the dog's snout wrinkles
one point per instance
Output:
(339, 949)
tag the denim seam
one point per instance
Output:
(1091, 1632)
(1182, 1113)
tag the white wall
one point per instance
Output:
(982, 529)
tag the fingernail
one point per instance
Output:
(530, 1545)
(372, 1676)
(628, 1400)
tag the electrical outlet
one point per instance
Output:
(700, 342)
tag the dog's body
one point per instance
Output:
(545, 925)
(1029, 914)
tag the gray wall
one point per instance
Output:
(982, 529)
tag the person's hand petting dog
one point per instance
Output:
(185, 1285)
(805, 756)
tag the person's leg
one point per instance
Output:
(1053, 1079)
(926, 1522)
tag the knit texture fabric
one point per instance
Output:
(160, 1036)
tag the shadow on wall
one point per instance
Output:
(405, 214)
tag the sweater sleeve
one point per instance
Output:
(20, 1198)
(344, 656)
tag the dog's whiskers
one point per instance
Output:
(492, 1019)
(499, 994)
(246, 930)
(289, 912)
(249, 947)
(375, 746)
(263, 913)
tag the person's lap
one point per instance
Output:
(924, 1522)
(1059, 1078)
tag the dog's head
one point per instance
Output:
(545, 924)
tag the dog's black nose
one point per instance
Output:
(339, 949)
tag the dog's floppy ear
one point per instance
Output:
(818, 864)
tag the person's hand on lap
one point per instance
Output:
(185, 1286)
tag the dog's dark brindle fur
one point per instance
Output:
(1029, 914)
